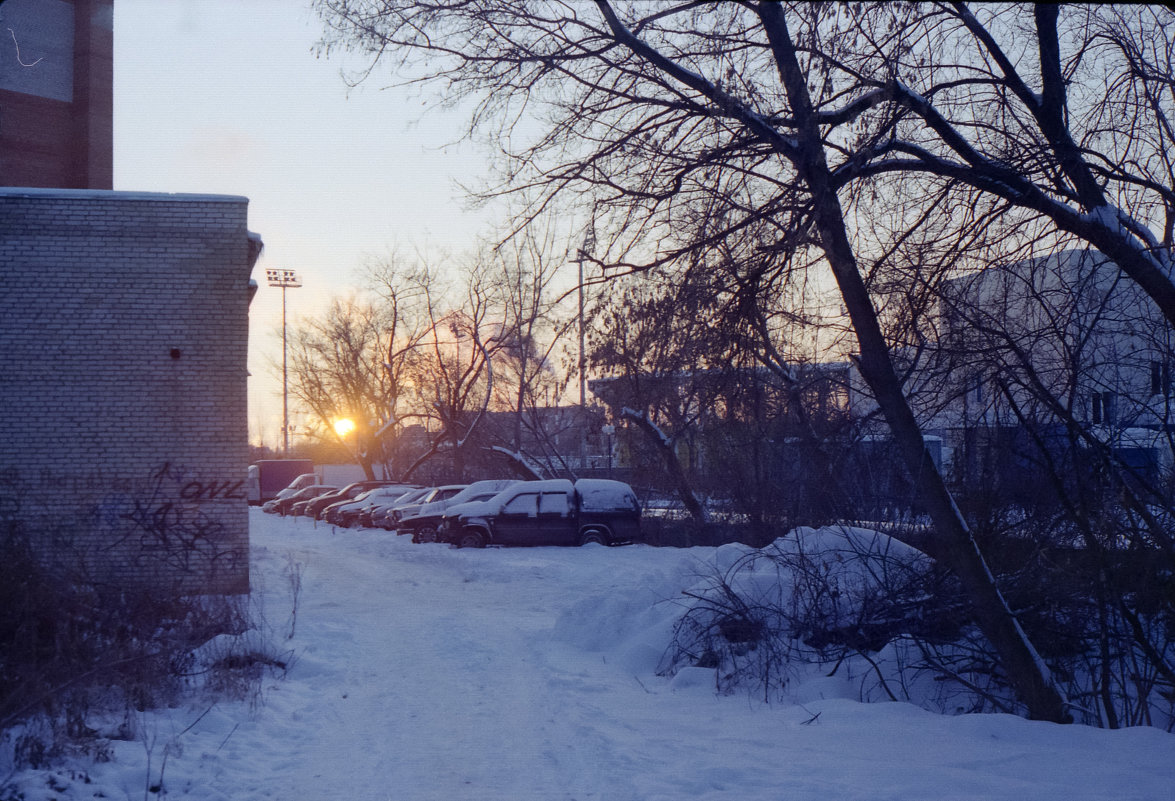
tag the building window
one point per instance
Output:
(1103, 407)
(975, 387)
(1160, 377)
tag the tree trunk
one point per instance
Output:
(669, 456)
(955, 546)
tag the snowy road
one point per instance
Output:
(421, 672)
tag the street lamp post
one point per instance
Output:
(585, 254)
(286, 279)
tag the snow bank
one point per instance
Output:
(826, 606)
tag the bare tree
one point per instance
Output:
(810, 118)
(712, 362)
(1066, 120)
(406, 354)
(664, 365)
(448, 369)
(336, 363)
(532, 326)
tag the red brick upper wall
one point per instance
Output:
(57, 93)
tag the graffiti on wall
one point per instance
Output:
(171, 521)
(174, 527)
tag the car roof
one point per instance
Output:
(546, 485)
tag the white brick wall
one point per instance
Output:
(124, 323)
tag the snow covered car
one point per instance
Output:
(554, 512)
(277, 503)
(346, 514)
(284, 505)
(424, 523)
(350, 492)
(373, 516)
(407, 507)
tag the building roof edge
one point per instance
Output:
(116, 194)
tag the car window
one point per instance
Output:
(609, 497)
(521, 505)
(553, 503)
(413, 495)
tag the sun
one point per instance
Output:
(344, 426)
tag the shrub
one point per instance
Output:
(860, 605)
(70, 652)
(833, 598)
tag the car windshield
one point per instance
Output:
(311, 492)
(481, 490)
(413, 495)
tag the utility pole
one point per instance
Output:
(585, 253)
(286, 279)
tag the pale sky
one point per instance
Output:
(227, 97)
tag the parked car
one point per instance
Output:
(275, 502)
(425, 522)
(299, 508)
(406, 507)
(283, 505)
(555, 512)
(346, 513)
(300, 483)
(329, 512)
(316, 507)
(371, 516)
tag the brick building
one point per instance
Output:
(56, 93)
(124, 318)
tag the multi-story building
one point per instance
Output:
(56, 93)
(124, 322)
(1053, 344)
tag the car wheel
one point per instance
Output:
(471, 538)
(425, 534)
(593, 536)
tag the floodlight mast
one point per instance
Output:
(286, 279)
(584, 254)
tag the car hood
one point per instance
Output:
(471, 508)
(348, 506)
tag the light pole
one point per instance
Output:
(585, 253)
(286, 279)
(608, 430)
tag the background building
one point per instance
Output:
(1047, 361)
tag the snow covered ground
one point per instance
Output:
(422, 672)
